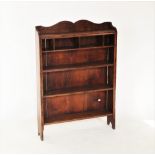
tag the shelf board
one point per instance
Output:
(70, 91)
(75, 66)
(75, 49)
(77, 34)
(76, 116)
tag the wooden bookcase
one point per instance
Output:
(76, 72)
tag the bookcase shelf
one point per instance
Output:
(70, 91)
(76, 72)
(75, 66)
(59, 44)
(77, 116)
(46, 34)
(79, 48)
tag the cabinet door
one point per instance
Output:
(96, 101)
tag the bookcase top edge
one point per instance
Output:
(78, 26)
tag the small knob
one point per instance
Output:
(99, 100)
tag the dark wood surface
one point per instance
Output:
(76, 49)
(76, 72)
(75, 90)
(70, 35)
(81, 26)
(76, 116)
(67, 67)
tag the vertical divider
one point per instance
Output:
(46, 53)
(66, 82)
(107, 94)
(85, 103)
(79, 39)
(68, 103)
(53, 44)
(107, 75)
(107, 55)
(107, 66)
(103, 40)
(46, 106)
(46, 64)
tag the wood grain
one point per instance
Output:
(76, 72)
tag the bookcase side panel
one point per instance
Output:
(114, 74)
(39, 87)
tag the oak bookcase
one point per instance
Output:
(76, 72)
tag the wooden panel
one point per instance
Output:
(55, 106)
(66, 43)
(68, 67)
(111, 55)
(97, 55)
(52, 59)
(89, 102)
(91, 41)
(76, 116)
(110, 75)
(82, 34)
(75, 78)
(79, 26)
(40, 114)
(63, 105)
(76, 42)
(47, 44)
(108, 40)
(97, 76)
(96, 101)
(110, 101)
(56, 58)
(70, 91)
(80, 56)
(76, 103)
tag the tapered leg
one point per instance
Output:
(38, 130)
(113, 124)
(42, 132)
(111, 119)
(41, 136)
(108, 120)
